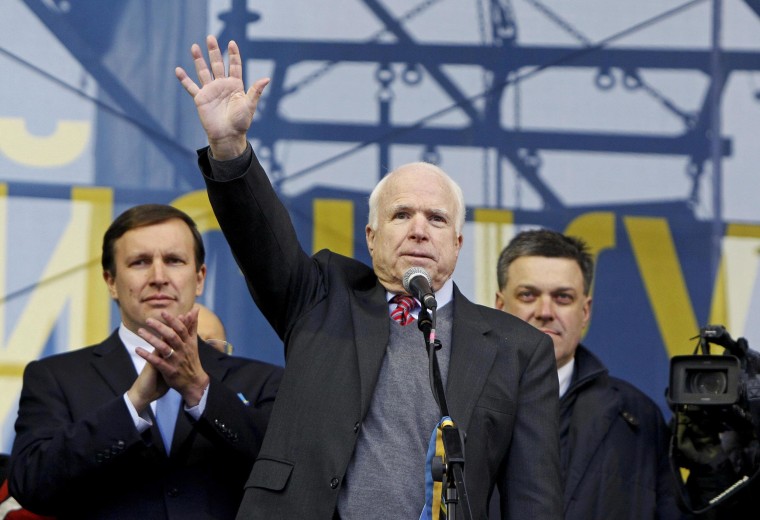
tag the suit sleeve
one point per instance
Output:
(531, 485)
(50, 451)
(237, 411)
(282, 279)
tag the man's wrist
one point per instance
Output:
(139, 403)
(228, 149)
(193, 394)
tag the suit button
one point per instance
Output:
(173, 492)
(356, 428)
(334, 483)
(630, 418)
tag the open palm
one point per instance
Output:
(224, 107)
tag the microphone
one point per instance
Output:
(417, 283)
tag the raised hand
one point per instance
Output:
(224, 107)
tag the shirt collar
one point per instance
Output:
(131, 342)
(565, 375)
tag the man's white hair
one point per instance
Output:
(459, 207)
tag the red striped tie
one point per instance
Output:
(402, 314)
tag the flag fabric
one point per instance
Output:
(434, 508)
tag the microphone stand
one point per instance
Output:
(452, 466)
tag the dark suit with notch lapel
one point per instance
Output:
(77, 453)
(332, 315)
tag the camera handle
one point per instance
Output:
(718, 499)
(750, 365)
(750, 361)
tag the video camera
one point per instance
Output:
(731, 380)
(715, 400)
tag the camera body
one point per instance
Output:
(715, 431)
(708, 380)
(705, 380)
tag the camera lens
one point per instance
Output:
(707, 382)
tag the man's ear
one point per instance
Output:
(587, 312)
(369, 234)
(200, 280)
(499, 303)
(111, 283)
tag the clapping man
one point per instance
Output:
(151, 423)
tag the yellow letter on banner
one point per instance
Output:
(597, 229)
(333, 226)
(661, 272)
(740, 269)
(62, 147)
(198, 207)
(72, 277)
(3, 258)
(494, 229)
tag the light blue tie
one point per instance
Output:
(167, 408)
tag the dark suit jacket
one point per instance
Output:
(77, 453)
(617, 445)
(332, 314)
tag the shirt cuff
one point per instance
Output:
(142, 422)
(227, 170)
(197, 410)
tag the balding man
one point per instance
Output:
(211, 329)
(351, 428)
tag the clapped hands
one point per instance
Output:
(175, 355)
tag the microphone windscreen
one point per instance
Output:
(411, 273)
